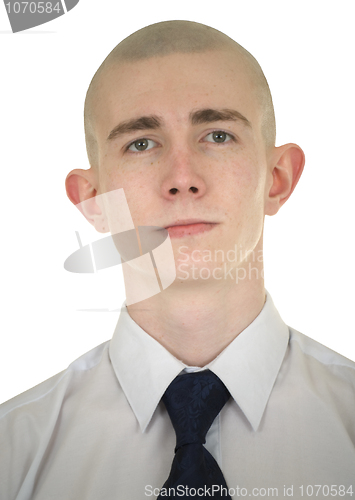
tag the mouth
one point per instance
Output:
(189, 227)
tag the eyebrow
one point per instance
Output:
(200, 116)
(209, 115)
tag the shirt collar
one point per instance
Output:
(248, 366)
(144, 367)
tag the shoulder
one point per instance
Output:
(55, 387)
(30, 422)
(323, 368)
(317, 351)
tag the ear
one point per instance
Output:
(81, 187)
(284, 170)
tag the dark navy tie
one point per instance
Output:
(193, 401)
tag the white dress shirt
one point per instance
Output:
(98, 430)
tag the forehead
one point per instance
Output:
(173, 85)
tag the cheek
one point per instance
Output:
(245, 185)
(114, 175)
(137, 188)
(244, 178)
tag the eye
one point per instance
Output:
(219, 136)
(141, 145)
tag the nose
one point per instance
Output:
(183, 175)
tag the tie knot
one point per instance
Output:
(193, 401)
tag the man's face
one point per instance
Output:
(185, 169)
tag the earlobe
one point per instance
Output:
(286, 167)
(81, 187)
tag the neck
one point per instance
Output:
(196, 321)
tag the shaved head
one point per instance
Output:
(169, 37)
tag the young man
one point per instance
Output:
(180, 117)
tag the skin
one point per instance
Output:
(237, 183)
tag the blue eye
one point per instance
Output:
(218, 136)
(141, 145)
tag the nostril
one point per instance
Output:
(175, 190)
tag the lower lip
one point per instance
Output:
(189, 229)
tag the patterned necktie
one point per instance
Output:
(193, 401)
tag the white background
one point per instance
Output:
(306, 49)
